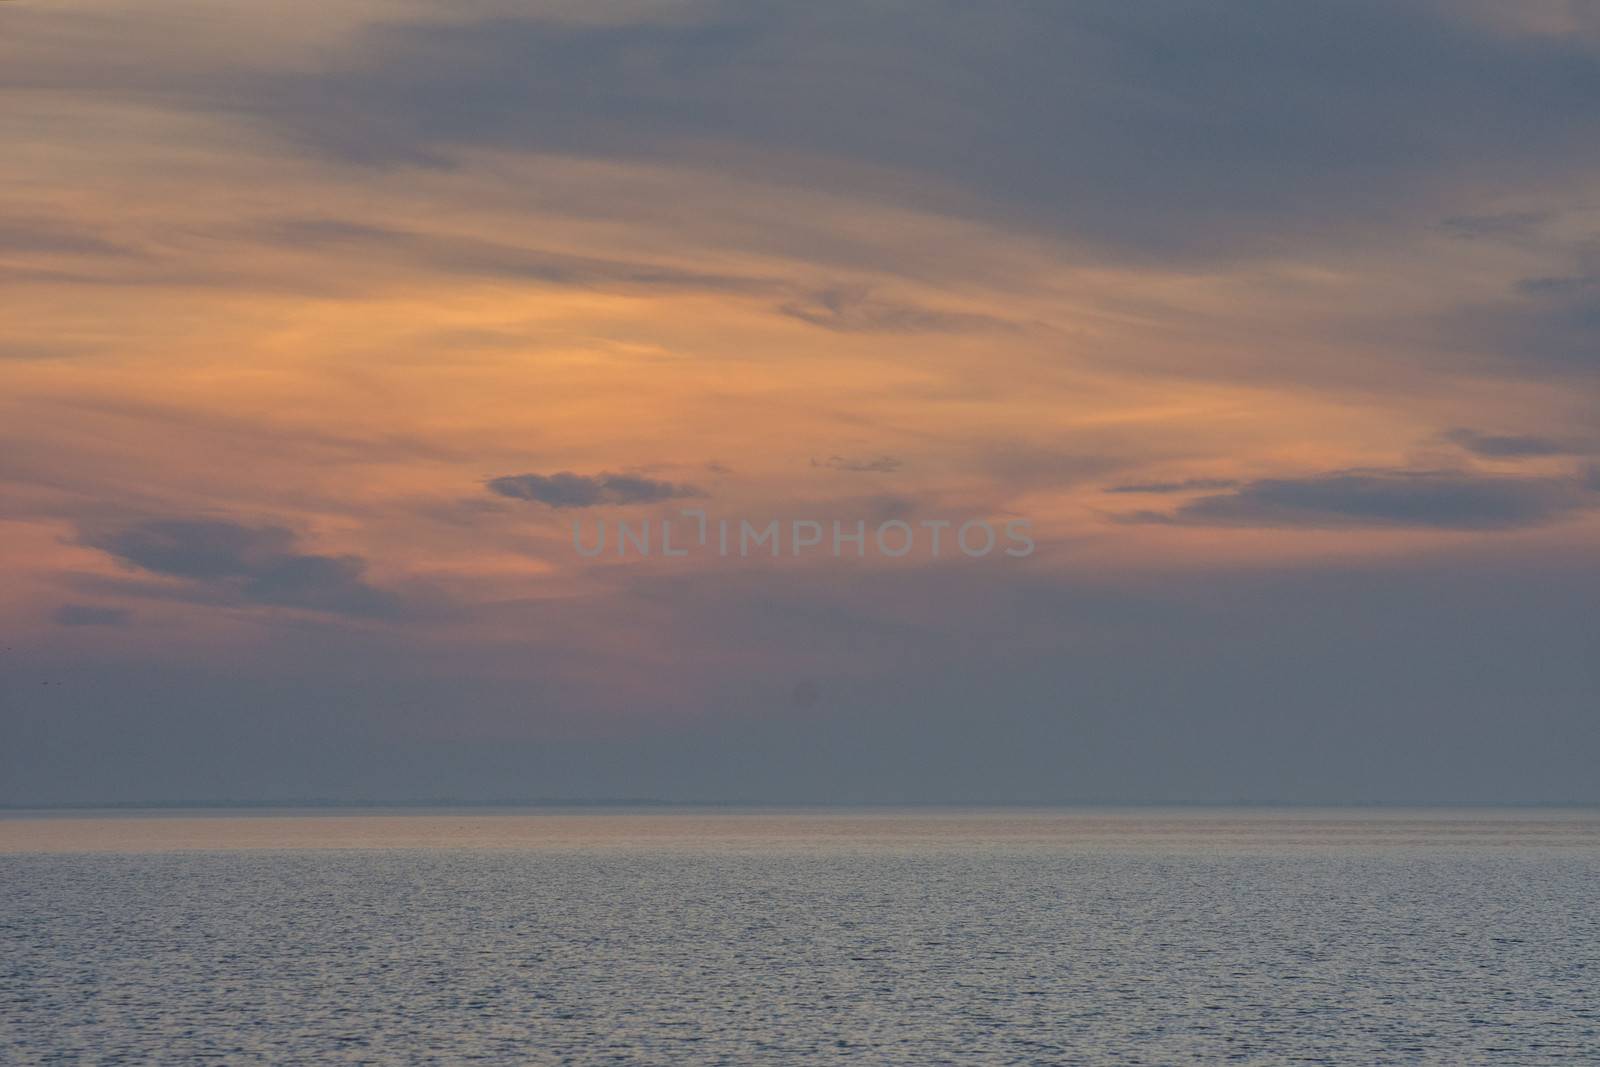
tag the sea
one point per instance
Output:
(763, 936)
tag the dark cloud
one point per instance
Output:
(861, 464)
(1507, 446)
(252, 564)
(855, 310)
(1175, 128)
(567, 490)
(1185, 486)
(90, 615)
(1426, 499)
(1181, 128)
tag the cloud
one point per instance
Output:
(1024, 465)
(51, 237)
(468, 255)
(1177, 130)
(861, 464)
(39, 351)
(1558, 285)
(1450, 500)
(254, 564)
(567, 490)
(1552, 320)
(881, 507)
(1505, 224)
(855, 310)
(90, 615)
(1185, 486)
(1506, 446)
(1172, 128)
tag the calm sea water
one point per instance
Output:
(758, 937)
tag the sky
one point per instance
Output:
(1276, 327)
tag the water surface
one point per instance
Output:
(917, 937)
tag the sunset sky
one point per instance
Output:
(1279, 325)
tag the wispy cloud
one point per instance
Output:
(55, 237)
(464, 254)
(565, 489)
(1184, 486)
(1442, 500)
(856, 310)
(1508, 446)
(861, 464)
